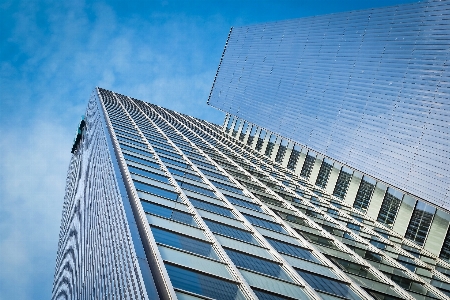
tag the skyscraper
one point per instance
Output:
(162, 205)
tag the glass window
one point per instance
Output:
(140, 151)
(220, 210)
(227, 187)
(292, 250)
(257, 264)
(342, 183)
(389, 207)
(141, 161)
(149, 174)
(328, 285)
(265, 223)
(183, 242)
(197, 189)
(214, 174)
(230, 231)
(130, 141)
(184, 174)
(168, 213)
(420, 222)
(167, 152)
(202, 284)
(204, 164)
(264, 295)
(307, 166)
(155, 190)
(174, 162)
(445, 251)
(365, 191)
(243, 203)
(324, 173)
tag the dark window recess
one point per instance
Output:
(141, 161)
(293, 159)
(265, 223)
(259, 144)
(184, 174)
(342, 183)
(202, 284)
(149, 174)
(377, 243)
(381, 296)
(257, 264)
(220, 210)
(265, 295)
(168, 213)
(350, 267)
(407, 263)
(183, 242)
(269, 149)
(389, 209)
(373, 256)
(354, 227)
(197, 189)
(292, 250)
(280, 154)
(135, 150)
(328, 285)
(250, 140)
(244, 203)
(230, 231)
(420, 222)
(228, 187)
(363, 195)
(307, 166)
(155, 190)
(324, 174)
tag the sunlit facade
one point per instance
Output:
(160, 205)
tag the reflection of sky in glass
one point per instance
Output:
(368, 88)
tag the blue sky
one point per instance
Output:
(53, 54)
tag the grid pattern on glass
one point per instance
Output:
(214, 174)
(307, 166)
(374, 120)
(180, 241)
(293, 159)
(257, 264)
(328, 285)
(420, 222)
(230, 231)
(292, 250)
(342, 183)
(202, 284)
(324, 174)
(168, 213)
(365, 191)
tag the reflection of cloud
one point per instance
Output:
(52, 58)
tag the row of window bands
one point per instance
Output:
(214, 174)
(130, 141)
(228, 187)
(156, 190)
(168, 213)
(127, 134)
(166, 152)
(180, 241)
(196, 189)
(184, 174)
(265, 224)
(175, 162)
(230, 231)
(149, 174)
(243, 203)
(144, 151)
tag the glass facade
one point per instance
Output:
(368, 88)
(210, 218)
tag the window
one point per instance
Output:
(365, 191)
(307, 166)
(445, 251)
(141, 161)
(202, 284)
(149, 174)
(420, 222)
(220, 210)
(183, 242)
(263, 295)
(227, 187)
(292, 250)
(130, 141)
(184, 174)
(342, 183)
(167, 152)
(295, 154)
(389, 207)
(324, 173)
(155, 190)
(257, 264)
(168, 213)
(229, 231)
(196, 189)
(265, 223)
(214, 174)
(140, 151)
(328, 285)
(244, 203)
(204, 164)
(174, 162)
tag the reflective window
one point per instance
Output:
(202, 284)
(141, 161)
(243, 203)
(389, 207)
(155, 190)
(184, 174)
(292, 250)
(167, 152)
(197, 189)
(264, 295)
(230, 231)
(324, 173)
(445, 251)
(220, 210)
(420, 222)
(365, 191)
(214, 174)
(342, 183)
(175, 162)
(168, 213)
(257, 264)
(228, 187)
(265, 223)
(307, 166)
(140, 151)
(149, 174)
(328, 285)
(183, 242)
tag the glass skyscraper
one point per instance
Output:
(160, 205)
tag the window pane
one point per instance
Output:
(244, 203)
(141, 161)
(155, 190)
(149, 174)
(226, 230)
(220, 210)
(168, 213)
(264, 223)
(140, 151)
(292, 250)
